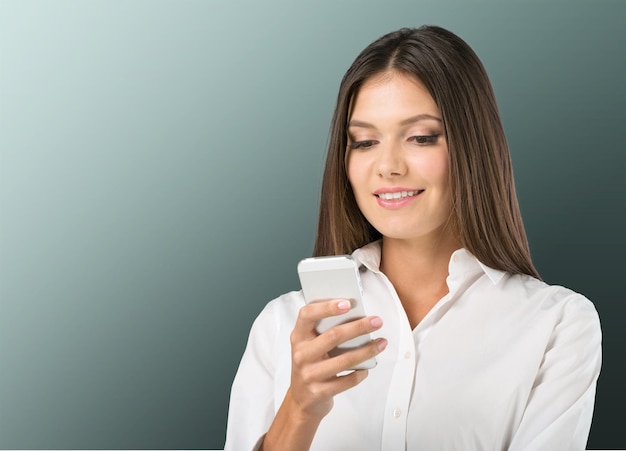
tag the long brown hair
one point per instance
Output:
(485, 211)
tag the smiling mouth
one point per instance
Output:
(398, 194)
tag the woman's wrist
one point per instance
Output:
(292, 429)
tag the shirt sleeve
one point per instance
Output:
(560, 406)
(251, 408)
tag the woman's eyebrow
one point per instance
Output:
(408, 121)
(420, 117)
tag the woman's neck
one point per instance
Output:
(418, 270)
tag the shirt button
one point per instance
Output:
(397, 412)
(407, 355)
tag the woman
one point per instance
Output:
(474, 351)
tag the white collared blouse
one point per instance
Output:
(502, 362)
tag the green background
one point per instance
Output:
(160, 163)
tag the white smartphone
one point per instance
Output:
(336, 277)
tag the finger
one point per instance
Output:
(310, 314)
(337, 335)
(317, 347)
(330, 367)
(338, 384)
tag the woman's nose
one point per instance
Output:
(391, 161)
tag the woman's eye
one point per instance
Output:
(424, 139)
(362, 144)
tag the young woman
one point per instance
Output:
(474, 351)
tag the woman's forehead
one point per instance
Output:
(392, 96)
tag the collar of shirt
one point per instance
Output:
(462, 263)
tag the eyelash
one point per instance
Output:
(425, 139)
(362, 144)
(420, 140)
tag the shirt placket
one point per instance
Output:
(401, 385)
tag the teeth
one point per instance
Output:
(398, 195)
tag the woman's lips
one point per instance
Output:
(396, 198)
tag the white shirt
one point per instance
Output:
(502, 362)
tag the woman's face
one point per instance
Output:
(397, 158)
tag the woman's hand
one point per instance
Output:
(314, 379)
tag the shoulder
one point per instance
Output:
(559, 302)
(280, 311)
(286, 304)
(532, 288)
(271, 328)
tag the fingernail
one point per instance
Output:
(382, 344)
(376, 321)
(344, 305)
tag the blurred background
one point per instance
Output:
(160, 164)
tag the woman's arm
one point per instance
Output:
(314, 376)
(560, 406)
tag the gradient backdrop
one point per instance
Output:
(159, 176)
